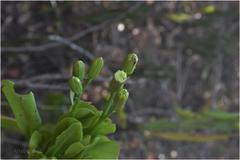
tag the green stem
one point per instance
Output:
(86, 83)
(105, 113)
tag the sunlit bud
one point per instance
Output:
(119, 78)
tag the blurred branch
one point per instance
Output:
(29, 84)
(77, 48)
(39, 82)
(182, 74)
(40, 106)
(46, 77)
(81, 34)
(72, 45)
(220, 51)
(179, 73)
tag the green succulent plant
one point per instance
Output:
(81, 132)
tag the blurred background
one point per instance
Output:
(184, 100)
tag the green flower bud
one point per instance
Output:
(130, 63)
(95, 68)
(119, 100)
(119, 78)
(76, 85)
(79, 69)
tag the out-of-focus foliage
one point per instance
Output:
(180, 17)
(186, 17)
(184, 128)
(191, 137)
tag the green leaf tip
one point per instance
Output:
(95, 68)
(23, 107)
(71, 134)
(35, 140)
(73, 150)
(130, 63)
(79, 69)
(76, 85)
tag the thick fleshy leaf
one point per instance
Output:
(34, 154)
(81, 104)
(73, 150)
(72, 134)
(10, 123)
(86, 140)
(23, 107)
(46, 132)
(94, 141)
(89, 121)
(103, 150)
(63, 124)
(83, 113)
(104, 128)
(35, 140)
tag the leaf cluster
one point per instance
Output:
(82, 131)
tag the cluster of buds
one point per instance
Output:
(78, 81)
(118, 94)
